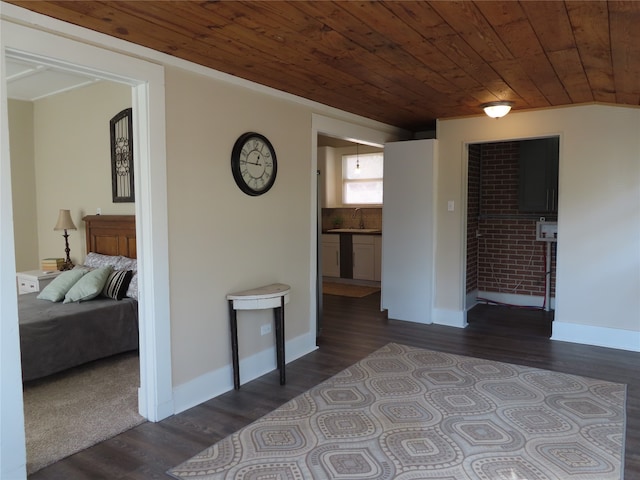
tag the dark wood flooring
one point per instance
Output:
(510, 321)
(352, 329)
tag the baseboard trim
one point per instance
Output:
(515, 299)
(450, 318)
(217, 382)
(162, 410)
(471, 300)
(597, 336)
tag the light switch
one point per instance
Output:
(450, 205)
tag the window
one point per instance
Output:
(362, 179)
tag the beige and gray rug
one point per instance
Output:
(408, 413)
(73, 410)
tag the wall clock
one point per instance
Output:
(254, 164)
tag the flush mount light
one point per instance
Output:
(497, 109)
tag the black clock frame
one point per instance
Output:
(235, 164)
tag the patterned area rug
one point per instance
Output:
(408, 413)
(348, 290)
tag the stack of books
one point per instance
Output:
(52, 264)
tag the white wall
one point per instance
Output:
(23, 180)
(73, 162)
(330, 195)
(12, 436)
(222, 240)
(408, 229)
(60, 158)
(598, 266)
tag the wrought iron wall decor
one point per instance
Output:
(122, 157)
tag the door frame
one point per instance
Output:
(332, 127)
(465, 204)
(155, 397)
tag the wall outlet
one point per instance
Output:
(265, 329)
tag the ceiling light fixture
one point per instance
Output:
(497, 109)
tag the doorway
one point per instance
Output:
(147, 82)
(50, 110)
(326, 129)
(349, 216)
(509, 269)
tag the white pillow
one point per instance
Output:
(96, 260)
(126, 263)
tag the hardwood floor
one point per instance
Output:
(510, 321)
(352, 328)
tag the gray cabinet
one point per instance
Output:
(538, 186)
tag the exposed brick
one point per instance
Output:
(506, 258)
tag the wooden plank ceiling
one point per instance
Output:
(404, 63)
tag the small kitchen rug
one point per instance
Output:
(348, 290)
(406, 413)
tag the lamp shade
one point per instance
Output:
(64, 221)
(497, 109)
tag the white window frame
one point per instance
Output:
(347, 181)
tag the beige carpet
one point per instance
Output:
(407, 413)
(348, 290)
(71, 411)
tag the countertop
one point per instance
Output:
(355, 231)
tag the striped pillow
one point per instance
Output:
(117, 284)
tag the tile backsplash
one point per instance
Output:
(350, 217)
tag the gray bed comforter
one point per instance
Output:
(57, 336)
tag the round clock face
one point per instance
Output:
(254, 164)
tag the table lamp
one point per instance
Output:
(65, 223)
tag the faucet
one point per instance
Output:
(355, 211)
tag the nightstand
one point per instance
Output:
(34, 280)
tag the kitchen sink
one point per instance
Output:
(354, 230)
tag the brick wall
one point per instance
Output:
(509, 259)
(473, 212)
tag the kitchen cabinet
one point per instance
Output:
(352, 256)
(538, 175)
(330, 255)
(363, 257)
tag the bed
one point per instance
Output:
(55, 336)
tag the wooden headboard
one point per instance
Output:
(111, 234)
